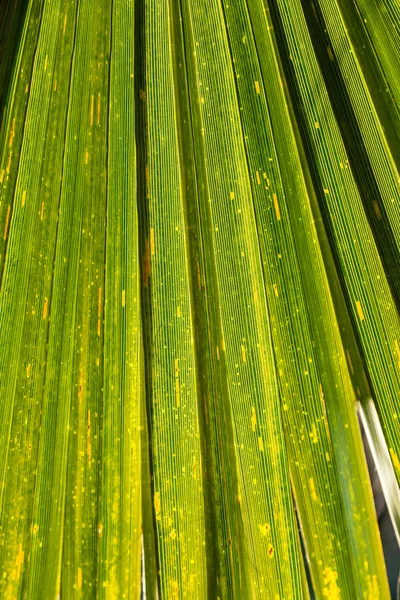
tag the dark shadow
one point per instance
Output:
(148, 519)
(12, 16)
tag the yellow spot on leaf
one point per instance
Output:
(10, 141)
(98, 108)
(253, 418)
(258, 177)
(232, 195)
(123, 297)
(275, 290)
(8, 167)
(152, 241)
(19, 561)
(79, 583)
(46, 60)
(313, 434)
(360, 310)
(312, 489)
(157, 506)
(276, 206)
(257, 87)
(373, 587)
(45, 308)
(260, 444)
(23, 198)
(331, 589)
(178, 311)
(65, 23)
(243, 353)
(264, 529)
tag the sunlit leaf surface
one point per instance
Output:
(200, 278)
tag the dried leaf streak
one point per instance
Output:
(7, 222)
(99, 311)
(360, 310)
(276, 206)
(12, 132)
(45, 308)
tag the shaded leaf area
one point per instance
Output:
(365, 284)
(199, 207)
(11, 25)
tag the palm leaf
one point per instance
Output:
(182, 338)
(313, 378)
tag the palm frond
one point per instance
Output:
(199, 259)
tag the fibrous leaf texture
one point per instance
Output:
(199, 282)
